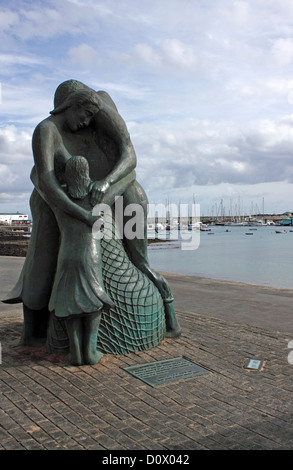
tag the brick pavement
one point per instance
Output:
(47, 404)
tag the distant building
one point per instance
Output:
(14, 219)
(287, 221)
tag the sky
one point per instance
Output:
(205, 88)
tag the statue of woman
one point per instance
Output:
(83, 122)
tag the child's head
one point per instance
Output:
(77, 177)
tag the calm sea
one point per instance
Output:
(264, 257)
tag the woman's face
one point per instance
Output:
(77, 116)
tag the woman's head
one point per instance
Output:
(77, 103)
(77, 177)
(80, 98)
(79, 108)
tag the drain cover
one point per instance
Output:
(170, 370)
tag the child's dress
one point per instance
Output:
(78, 285)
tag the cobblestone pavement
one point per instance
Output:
(48, 404)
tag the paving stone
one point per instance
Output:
(48, 405)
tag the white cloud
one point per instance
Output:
(282, 51)
(177, 54)
(15, 146)
(204, 86)
(8, 19)
(46, 20)
(239, 14)
(131, 92)
(84, 55)
(26, 104)
(170, 54)
(209, 153)
(19, 59)
(16, 162)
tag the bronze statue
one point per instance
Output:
(78, 292)
(84, 122)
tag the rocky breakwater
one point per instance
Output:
(13, 243)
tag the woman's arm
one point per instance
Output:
(118, 189)
(114, 126)
(44, 144)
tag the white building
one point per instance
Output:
(14, 219)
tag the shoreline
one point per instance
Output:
(254, 305)
(17, 245)
(222, 281)
(190, 277)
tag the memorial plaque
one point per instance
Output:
(254, 364)
(171, 370)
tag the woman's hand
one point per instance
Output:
(98, 190)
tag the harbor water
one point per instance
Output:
(259, 255)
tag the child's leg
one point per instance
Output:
(74, 330)
(91, 324)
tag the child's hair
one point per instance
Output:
(77, 177)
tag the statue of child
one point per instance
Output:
(78, 293)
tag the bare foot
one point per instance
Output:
(92, 357)
(173, 329)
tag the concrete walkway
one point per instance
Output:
(48, 404)
(261, 306)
